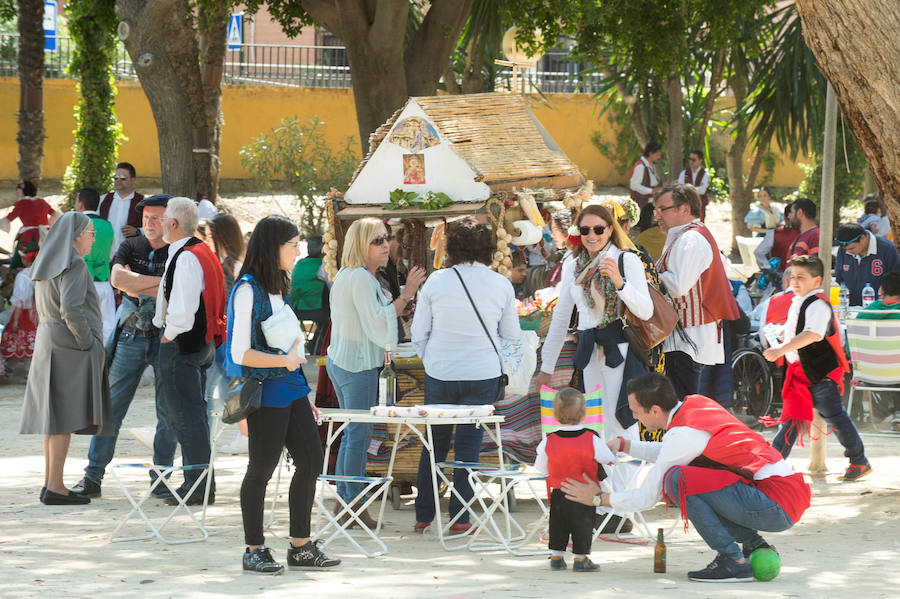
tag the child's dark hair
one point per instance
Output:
(890, 284)
(811, 264)
(568, 406)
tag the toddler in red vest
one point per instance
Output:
(571, 452)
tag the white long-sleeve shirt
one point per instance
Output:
(704, 182)
(689, 258)
(445, 329)
(634, 294)
(177, 315)
(638, 176)
(679, 447)
(818, 315)
(118, 217)
(243, 316)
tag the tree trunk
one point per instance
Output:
(30, 136)
(855, 44)
(213, 28)
(715, 88)
(740, 194)
(376, 59)
(428, 52)
(163, 47)
(676, 127)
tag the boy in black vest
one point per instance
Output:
(816, 367)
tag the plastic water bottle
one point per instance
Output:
(845, 301)
(868, 295)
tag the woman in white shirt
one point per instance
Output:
(461, 365)
(591, 282)
(286, 417)
(363, 324)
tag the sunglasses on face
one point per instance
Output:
(661, 209)
(381, 239)
(597, 229)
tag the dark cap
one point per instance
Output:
(160, 199)
(849, 233)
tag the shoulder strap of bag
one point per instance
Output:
(483, 326)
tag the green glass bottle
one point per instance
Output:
(387, 381)
(659, 553)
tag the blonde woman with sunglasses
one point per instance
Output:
(364, 322)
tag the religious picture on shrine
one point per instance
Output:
(414, 169)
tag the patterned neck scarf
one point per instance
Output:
(599, 291)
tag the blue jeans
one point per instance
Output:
(717, 381)
(184, 382)
(826, 398)
(355, 391)
(133, 354)
(730, 515)
(466, 442)
(216, 383)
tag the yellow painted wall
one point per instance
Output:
(571, 119)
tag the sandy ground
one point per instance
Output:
(848, 542)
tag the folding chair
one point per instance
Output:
(874, 350)
(163, 474)
(350, 510)
(137, 506)
(507, 534)
(466, 505)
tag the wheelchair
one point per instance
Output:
(757, 382)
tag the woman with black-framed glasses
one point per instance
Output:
(364, 322)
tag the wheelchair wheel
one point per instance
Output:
(752, 383)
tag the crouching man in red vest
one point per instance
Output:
(729, 482)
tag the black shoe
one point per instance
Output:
(309, 556)
(195, 499)
(748, 550)
(43, 492)
(86, 487)
(51, 498)
(584, 565)
(161, 491)
(723, 569)
(259, 561)
(557, 563)
(612, 524)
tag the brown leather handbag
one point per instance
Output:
(644, 335)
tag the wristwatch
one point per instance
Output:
(597, 499)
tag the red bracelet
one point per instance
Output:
(621, 444)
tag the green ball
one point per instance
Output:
(766, 564)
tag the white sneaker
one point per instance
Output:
(145, 435)
(237, 447)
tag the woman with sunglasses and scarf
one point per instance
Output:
(592, 284)
(364, 322)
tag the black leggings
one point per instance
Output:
(570, 518)
(271, 430)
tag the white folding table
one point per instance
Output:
(421, 426)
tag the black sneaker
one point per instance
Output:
(86, 487)
(309, 556)
(747, 550)
(723, 569)
(195, 499)
(557, 563)
(584, 565)
(855, 472)
(259, 561)
(612, 524)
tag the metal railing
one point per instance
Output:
(305, 66)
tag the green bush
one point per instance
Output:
(296, 156)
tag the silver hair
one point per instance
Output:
(185, 211)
